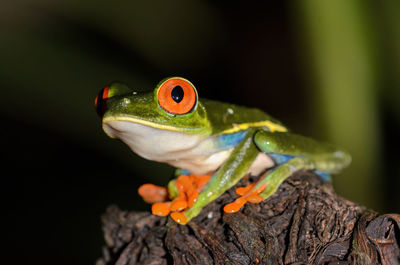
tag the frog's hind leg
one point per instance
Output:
(290, 152)
(306, 154)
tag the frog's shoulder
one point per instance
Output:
(229, 118)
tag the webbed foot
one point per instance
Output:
(249, 193)
(186, 191)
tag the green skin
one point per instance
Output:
(208, 120)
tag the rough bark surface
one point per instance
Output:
(304, 222)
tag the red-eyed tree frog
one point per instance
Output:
(212, 144)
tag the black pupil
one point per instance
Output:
(177, 94)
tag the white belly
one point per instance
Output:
(194, 153)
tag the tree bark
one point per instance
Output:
(304, 222)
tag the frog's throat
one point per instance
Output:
(194, 152)
(150, 124)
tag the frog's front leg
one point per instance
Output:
(291, 152)
(173, 191)
(233, 169)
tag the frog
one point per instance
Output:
(212, 145)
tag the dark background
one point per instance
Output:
(327, 70)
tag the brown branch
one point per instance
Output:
(305, 222)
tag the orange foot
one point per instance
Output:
(247, 194)
(188, 187)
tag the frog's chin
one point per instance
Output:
(154, 143)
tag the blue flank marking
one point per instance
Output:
(324, 175)
(182, 171)
(227, 141)
(280, 159)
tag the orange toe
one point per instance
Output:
(179, 217)
(235, 206)
(179, 205)
(201, 180)
(192, 198)
(255, 199)
(161, 208)
(152, 193)
(184, 183)
(243, 190)
(247, 195)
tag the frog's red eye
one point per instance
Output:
(100, 101)
(177, 96)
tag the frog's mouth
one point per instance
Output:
(118, 127)
(128, 119)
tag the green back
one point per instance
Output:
(224, 115)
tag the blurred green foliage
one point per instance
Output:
(347, 45)
(340, 38)
(328, 69)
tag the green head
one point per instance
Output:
(172, 106)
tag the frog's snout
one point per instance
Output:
(115, 89)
